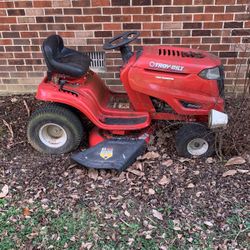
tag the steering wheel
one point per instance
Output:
(124, 37)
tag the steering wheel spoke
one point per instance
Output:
(126, 39)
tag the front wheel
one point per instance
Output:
(195, 140)
(54, 129)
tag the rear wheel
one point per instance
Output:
(195, 140)
(54, 129)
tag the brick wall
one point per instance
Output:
(219, 26)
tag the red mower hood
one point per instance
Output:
(177, 60)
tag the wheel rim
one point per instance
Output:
(52, 135)
(197, 147)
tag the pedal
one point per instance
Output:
(116, 154)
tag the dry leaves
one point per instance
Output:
(238, 160)
(167, 163)
(26, 212)
(157, 214)
(150, 156)
(151, 191)
(164, 180)
(229, 173)
(93, 174)
(5, 191)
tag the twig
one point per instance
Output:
(10, 129)
(27, 108)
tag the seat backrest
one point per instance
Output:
(51, 48)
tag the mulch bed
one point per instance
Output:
(194, 190)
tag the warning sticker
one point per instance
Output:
(106, 153)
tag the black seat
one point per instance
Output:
(64, 60)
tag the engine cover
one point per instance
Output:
(175, 59)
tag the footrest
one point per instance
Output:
(115, 154)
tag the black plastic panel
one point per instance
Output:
(115, 154)
(125, 121)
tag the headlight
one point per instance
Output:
(211, 74)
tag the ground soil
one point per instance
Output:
(194, 194)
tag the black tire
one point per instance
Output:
(51, 116)
(195, 140)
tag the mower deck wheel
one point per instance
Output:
(195, 140)
(54, 129)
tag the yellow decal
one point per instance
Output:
(106, 153)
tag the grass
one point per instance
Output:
(48, 229)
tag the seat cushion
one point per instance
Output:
(64, 60)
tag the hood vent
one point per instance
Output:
(171, 52)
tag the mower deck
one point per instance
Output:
(117, 154)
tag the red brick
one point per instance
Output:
(193, 9)
(111, 11)
(83, 19)
(240, 8)
(37, 26)
(151, 26)
(122, 18)
(120, 2)
(72, 11)
(13, 48)
(53, 11)
(42, 3)
(74, 26)
(92, 11)
(171, 40)
(103, 34)
(173, 10)
(191, 40)
(44, 19)
(233, 25)
(4, 27)
(214, 9)
(152, 10)
(203, 17)
(141, 2)
(161, 2)
(201, 33)
(28, 34)
(213, 25)
(100, 3)
(11, 34)
(131, 26)
(6, 4)
(101, 19)
(7, 20)
(141, 18)
(210, 40)
(81, 3)
(93, 26)
(63, 19)
(16, 61)
(21, 41)
(66, 33)
(24, 4)
(220, 47)
(182, 2)
(56, 26)
(181, 33)
(162, 33)
(230, 39)
(241, 17)
(203, 2)
(6, 41)
(112, 26)
(162, 18)
(15, 12)
(192, 25)
(224, 2)
(182, 17)
(19, 27)
(95, 41)
(223, 17)
(132, 10)
(241, 32)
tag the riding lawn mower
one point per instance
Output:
(161, 83)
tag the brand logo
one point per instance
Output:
(158, 65)
(106, 153)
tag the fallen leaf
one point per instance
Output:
(176, 228)
(5, 191)
(93, 174)
(86, 245)
(208, 223)
(26, 211)
(181, 159)
(136, 172)
(150, 156)
(157, 214)
(164, 180)
(127, 213)
(229, 173)
(209, 160)
(151, 191)
(190, 185)
(243, 171)
(167, 163)
(238, 160)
